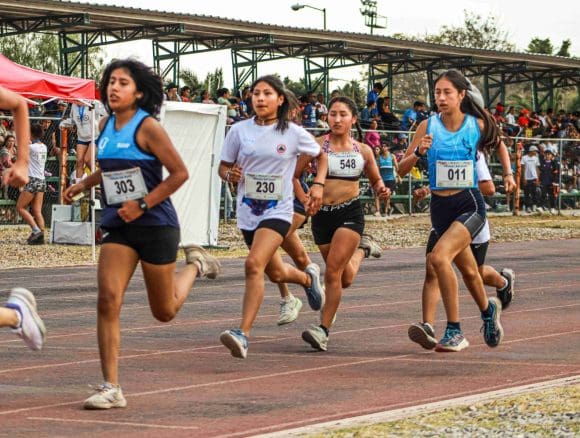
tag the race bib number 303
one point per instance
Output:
(454, 174)
(124, 185)
(263, 186)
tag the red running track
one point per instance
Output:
(180, 381)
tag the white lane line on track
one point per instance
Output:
(266, 376)
(113, 423)
(391, 414)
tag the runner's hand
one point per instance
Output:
(16, 175)
(130, 211)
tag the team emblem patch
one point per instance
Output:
(281, 148)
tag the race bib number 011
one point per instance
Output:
(124, 185)
(344, 164)
(263, 186)
(454, 174)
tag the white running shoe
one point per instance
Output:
(316, 337)
(106, 396)
(31, 329)
(210, 266)
(370, 247)
(289, 310)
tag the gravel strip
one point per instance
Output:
(396, 232)
(546, 413)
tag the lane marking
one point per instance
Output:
(114, 423)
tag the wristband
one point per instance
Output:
(316, 183)
(508, 174)
(416, 152)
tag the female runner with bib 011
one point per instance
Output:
(260, 155)
(451, 140)
(139, 221)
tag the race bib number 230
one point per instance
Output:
(263, 186)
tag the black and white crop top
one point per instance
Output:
(347, 166)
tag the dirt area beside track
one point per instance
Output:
(397, 232)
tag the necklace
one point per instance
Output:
(263, 122)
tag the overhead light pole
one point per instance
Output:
(298, 6)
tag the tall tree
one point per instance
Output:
(565, 48)
(214, 81)
(476, 32)
(41, 52)
(540, 46)
(189, 78)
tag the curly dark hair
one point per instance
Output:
(147, 81)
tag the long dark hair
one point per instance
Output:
(490, 135)
(283, 110)
(147, 81)
(353, 110)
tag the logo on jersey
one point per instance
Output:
(281, 148)
(103, 143)
(123, 145)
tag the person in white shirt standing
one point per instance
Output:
(261, 155)
(33, 193)
(531, 175)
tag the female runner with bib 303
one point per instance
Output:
(260, 155)
(139, 221)
(451, 140)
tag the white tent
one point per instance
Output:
(197, 131)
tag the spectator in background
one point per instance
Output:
(171, 93)
(372, 137)
(389, 121)
(550, 170)
(373, 95)
(531, 175)
(205, 98)
(388, 168)
(309, 112)
(409, 120)
(185, 94)
(368, 114)
(246, 109)
(320, 105)
(33, 193)
(333, 94)
(322, 123)
(223, 95)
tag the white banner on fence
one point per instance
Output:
(197, 131)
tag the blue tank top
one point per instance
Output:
(453, 154)
(118, 150)
(386, 168)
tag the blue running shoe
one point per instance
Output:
(315, 292)
(492, 329)
(452, 340)
(236, 341)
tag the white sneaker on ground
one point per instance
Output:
(106, 396)
(31, 328)
(289, 309)
(370, 247)
(316, 337)
(210, 266)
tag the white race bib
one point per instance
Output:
(124, 185)
(263, 186)
(345, 164)
(454, 174)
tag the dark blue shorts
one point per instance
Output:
(467, 207)
(278, 225)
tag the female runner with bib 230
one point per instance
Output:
(451, 140)
(139, 221)
(260, 154)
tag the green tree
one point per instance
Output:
(565, 48)
(214, 81)
(354, 91)
(189, 78)
(297, 87)
(476, 32)
(540, 46)
(41, 52)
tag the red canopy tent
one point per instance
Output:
(32, 83)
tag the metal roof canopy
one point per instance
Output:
(81, 26)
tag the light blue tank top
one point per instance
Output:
(453, 150)
(386, 168)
